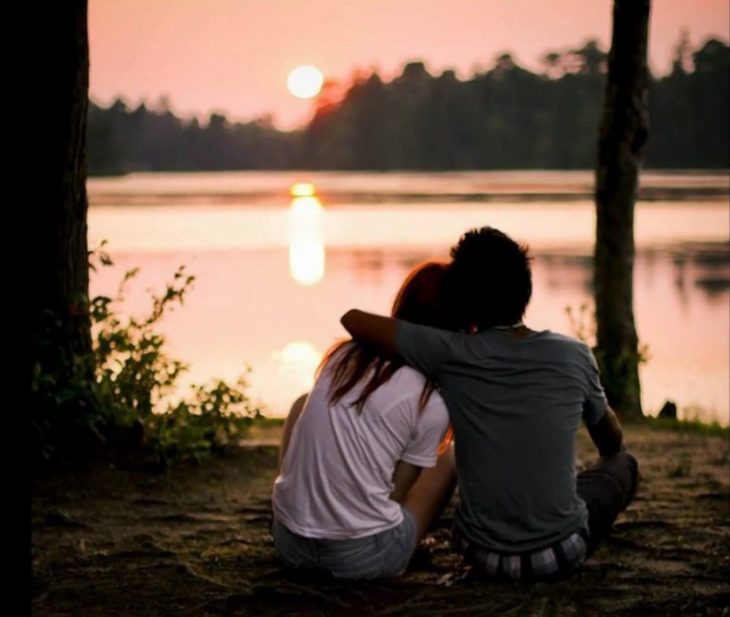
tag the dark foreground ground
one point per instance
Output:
(195, 541)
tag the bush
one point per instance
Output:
(135, 381)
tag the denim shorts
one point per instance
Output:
(382, 555)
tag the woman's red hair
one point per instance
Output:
(418, 301)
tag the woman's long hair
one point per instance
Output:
(418, 301)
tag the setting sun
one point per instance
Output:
(305, 82)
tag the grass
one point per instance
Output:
(681, 426)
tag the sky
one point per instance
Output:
(234, 56)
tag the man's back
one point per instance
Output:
(516, 404)
(515, 398)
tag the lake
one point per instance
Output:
(279, 256)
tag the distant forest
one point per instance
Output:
(504, 118)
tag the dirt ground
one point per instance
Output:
(195, 541)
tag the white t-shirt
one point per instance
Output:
(337, 475)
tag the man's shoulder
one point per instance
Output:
(564, 343)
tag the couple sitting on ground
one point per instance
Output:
(367, 462)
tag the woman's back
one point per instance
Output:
(336, 476)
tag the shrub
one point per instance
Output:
(135, 381)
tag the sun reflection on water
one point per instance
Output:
(297, 362)
(306, 235)
(302, 189)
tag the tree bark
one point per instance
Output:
(60, 321)
(622, 138)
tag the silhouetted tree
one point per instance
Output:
(64, 231)
(590, 59)
(682, 61)
(103, 151)
(60, 337)
(710, 98)
(622, 138)
(552, 63)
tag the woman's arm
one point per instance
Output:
(376, 330)
(291, 420)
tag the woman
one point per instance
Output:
(350, 500)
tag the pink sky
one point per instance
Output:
(234, 56)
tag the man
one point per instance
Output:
(516, 398)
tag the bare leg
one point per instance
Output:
(432, 492)
(291, 420)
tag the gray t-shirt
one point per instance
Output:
(515, 405)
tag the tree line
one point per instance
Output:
(506, 117)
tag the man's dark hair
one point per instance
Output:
(489, 281)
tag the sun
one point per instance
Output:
(305, 82)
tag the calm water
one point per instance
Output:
(275, 271)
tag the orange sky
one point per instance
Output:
(234, 55)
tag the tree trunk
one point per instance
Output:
(622, 138)
(61, 334)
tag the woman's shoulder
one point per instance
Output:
(408, 375)
(410, 383)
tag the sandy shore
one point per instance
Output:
(195, 541)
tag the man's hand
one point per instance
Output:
(606, 434)
(375, 330)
